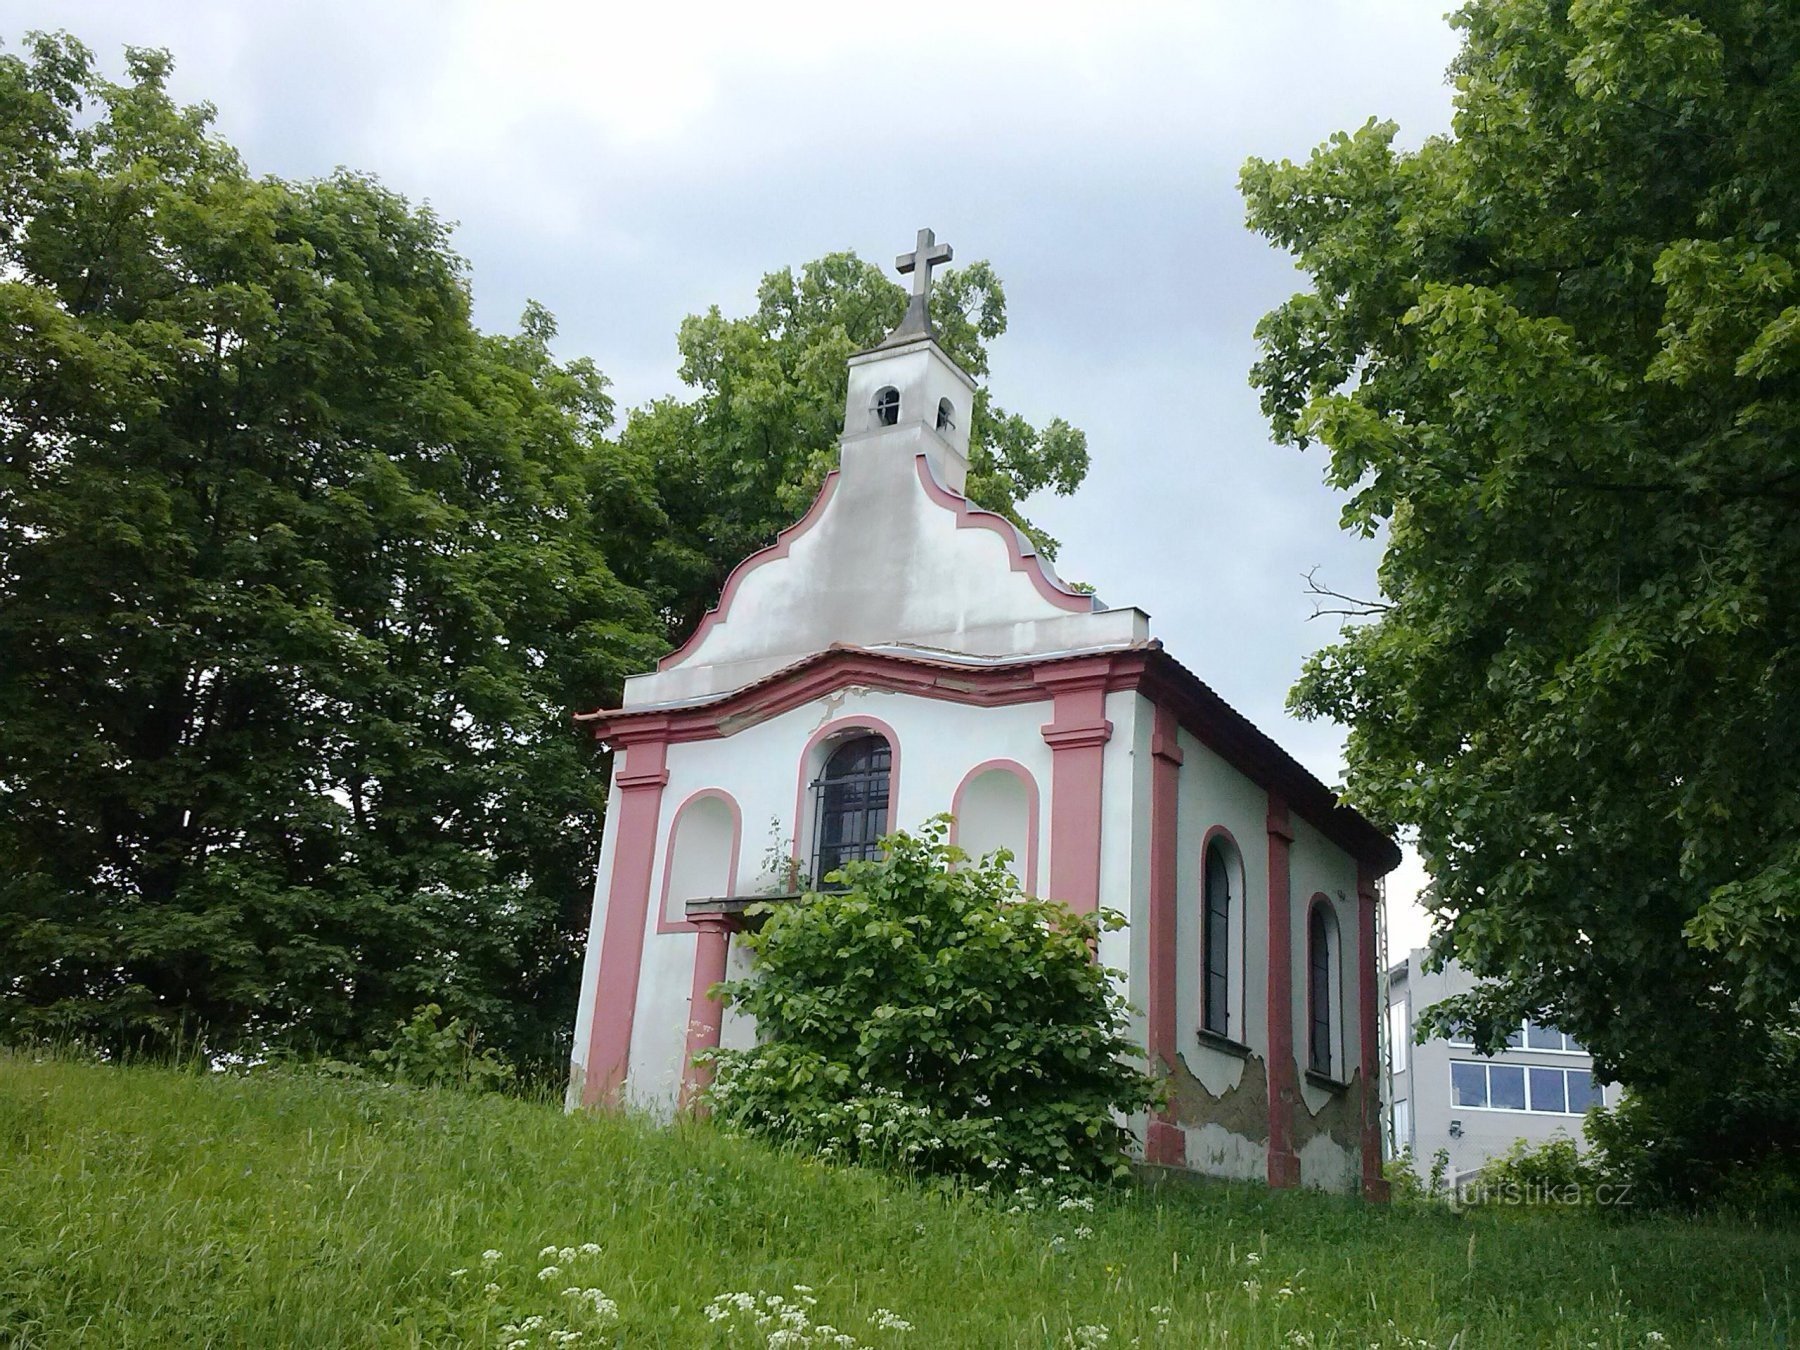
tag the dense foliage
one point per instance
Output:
(297, 586)
(1556, 357)
(301, 576)
(930, 1016)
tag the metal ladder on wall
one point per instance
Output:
(1385, 1049)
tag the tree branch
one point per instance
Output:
(1356, 607)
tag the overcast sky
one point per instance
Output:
(628, 164)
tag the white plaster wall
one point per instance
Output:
(1317, 866)
(1213, 793)
(937, 744)
(1326, 1167)
(590, 962)
(1215, 1150)
(996, 814)
(1124, 839)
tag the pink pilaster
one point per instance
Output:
(1077, 735)
(1284, 1081)
(1164, 1143)
(1375, 1186)
(705, 1013)
(640, 783)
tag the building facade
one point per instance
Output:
(1443, 1095)
(900, 652)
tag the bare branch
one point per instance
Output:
(1353, 607)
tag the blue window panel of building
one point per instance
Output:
(1547, 1090)
(1468, 1084)
(1506, 1087)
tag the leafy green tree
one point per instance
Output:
(298, 584)
(930, 1016)
(1556, 356)
(749, 452)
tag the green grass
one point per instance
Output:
(147, 1207)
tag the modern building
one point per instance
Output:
(1442, 1094)
(900, 652)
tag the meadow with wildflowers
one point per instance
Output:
(146, 1206)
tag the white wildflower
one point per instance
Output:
(547, 1251)
(1253, 1258)
(491, 1290)
(459, 1272)
(590, 1249)
(549, 1272)
(884, 1320)
(490, 1256)
(566, 1255)
(1083, 1233)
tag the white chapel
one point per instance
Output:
(899, 652)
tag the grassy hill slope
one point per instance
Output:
(145, 1207)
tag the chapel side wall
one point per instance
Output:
(590, 961)
(936, 742)
(1326, 1121)
(1221, 1098)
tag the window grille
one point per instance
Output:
(850, 804)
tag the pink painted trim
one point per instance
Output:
(1022, 556)
(1023, 774)
(664, 924)
(1374, 1185)
(1164, 1142)
(832, 730)
(640, 783)
(706, 1015)
(1077, 734)
(1284, 1079)
(777, 550)
(1242, 994)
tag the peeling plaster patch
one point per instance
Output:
(1242, 1110)
(1217, 1071)
(1327, 1140)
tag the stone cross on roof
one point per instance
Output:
(927, 253)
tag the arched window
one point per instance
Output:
(1321, 989)
(946, 416)
(1216, 942)
(887, 406)
(851, 803)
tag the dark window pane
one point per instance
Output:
(1539, 1037)
(1506, 1086)
(1515, 1038)
(1547, 1090)
(1217, 942)
(1570, 1043)
(1319, 990)
(1582, 1092)
(852, 803)
(1468, 1084)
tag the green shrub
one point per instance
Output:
(1553, 1173)
(427, 1053)
(1665, 1151)
(930, 1016)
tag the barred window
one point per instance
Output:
(851, 803)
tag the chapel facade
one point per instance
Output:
(900, 652)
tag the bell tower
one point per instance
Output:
(905, 395)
